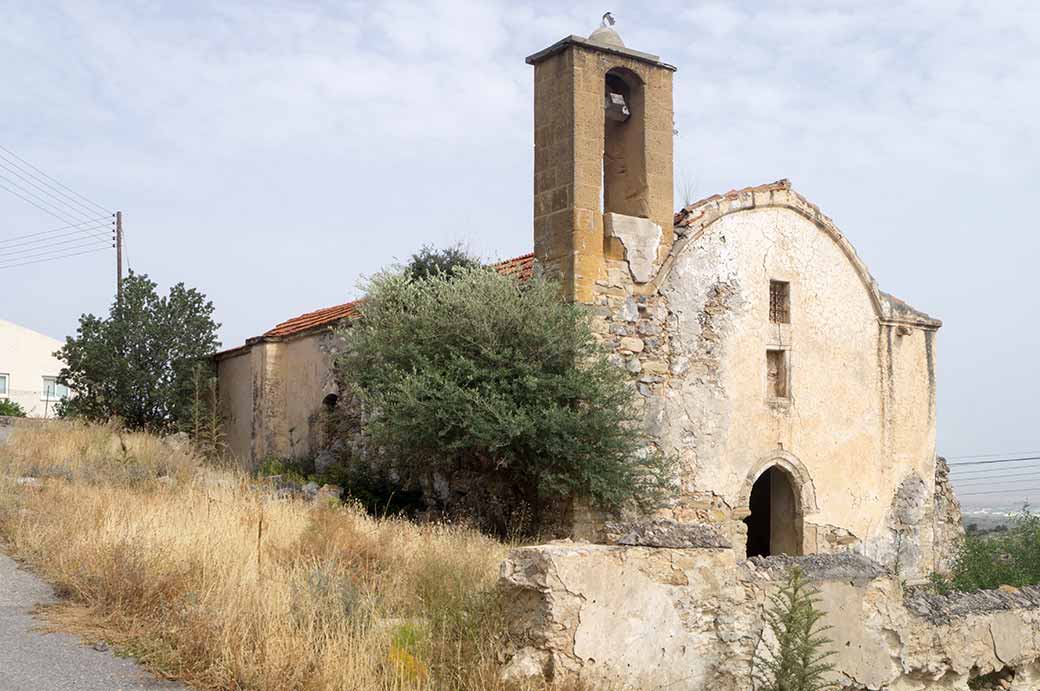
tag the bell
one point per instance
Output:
(617, 109)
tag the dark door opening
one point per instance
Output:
(774, 524)
(758, 521)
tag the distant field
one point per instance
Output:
(985, 521)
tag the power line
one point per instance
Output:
(64, 211)
(100, 220)
(43, 253)
(998, 479)
(59, 198)
(998, 491)
(999, 460)
(97, 231)
(996, 476)
(991, 455)
(92, 238)
(57, 182)
(63, 256)
(58, 214)
(992, 472)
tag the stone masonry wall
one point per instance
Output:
(693, 331)
(690, 617)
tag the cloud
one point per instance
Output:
(270, 152)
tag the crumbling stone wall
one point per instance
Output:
(856, 434)
(689, 616)
(948, 528)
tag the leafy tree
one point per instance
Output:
(798, 660)
(137, 363)
(478, 375)
(9, 408)
(429, 262)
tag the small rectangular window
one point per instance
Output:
(779, 302)
(776, 373)
(3, 384)
(52, 390)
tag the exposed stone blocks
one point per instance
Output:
(692, 619)
(569, 150)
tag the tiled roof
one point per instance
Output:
(689, 213)
(321, 317)
(521, 268)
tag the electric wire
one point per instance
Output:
(100, 220)
(56, 196)
(42, 253)
(991, 455)
(63, 256)
(58, 215)
(56, 209)
(992, 461)
(997, 479)
(88, 224)
(993, 472)
(997, 491)
(56, 182)
(98, 231)
(25, 250)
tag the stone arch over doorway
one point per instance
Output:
(777, 495)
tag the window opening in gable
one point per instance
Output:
(777, 374)
(779, 302)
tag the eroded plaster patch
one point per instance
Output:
(641, 239)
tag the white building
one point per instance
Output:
(29, 370)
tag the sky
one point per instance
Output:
(271, 154)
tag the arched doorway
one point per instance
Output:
(775, 522)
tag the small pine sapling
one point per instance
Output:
(799, 659)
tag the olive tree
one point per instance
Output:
(477, 375)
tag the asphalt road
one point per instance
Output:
(35, 661)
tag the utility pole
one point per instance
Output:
(119, 258)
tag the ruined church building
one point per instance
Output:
(798, 397)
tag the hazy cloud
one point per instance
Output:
(270, 152)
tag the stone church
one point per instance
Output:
(798, 396)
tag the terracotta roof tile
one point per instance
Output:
(521, 267)
(312, 320)
(689, 214)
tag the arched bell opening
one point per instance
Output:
(624, 145)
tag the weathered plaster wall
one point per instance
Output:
(235, 388)
(691, 619)
(271, 393)
(831, 422)
(308, 380)
(856, 432)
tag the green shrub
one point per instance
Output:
(476, 375)
(1010, 557)
(798, 660)
(9, 408)
(429, 262)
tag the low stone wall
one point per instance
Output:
(8, 421)
(651, 617)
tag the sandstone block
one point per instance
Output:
(632, 343)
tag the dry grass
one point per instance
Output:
(208, 578)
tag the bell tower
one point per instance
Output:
(602, 154)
